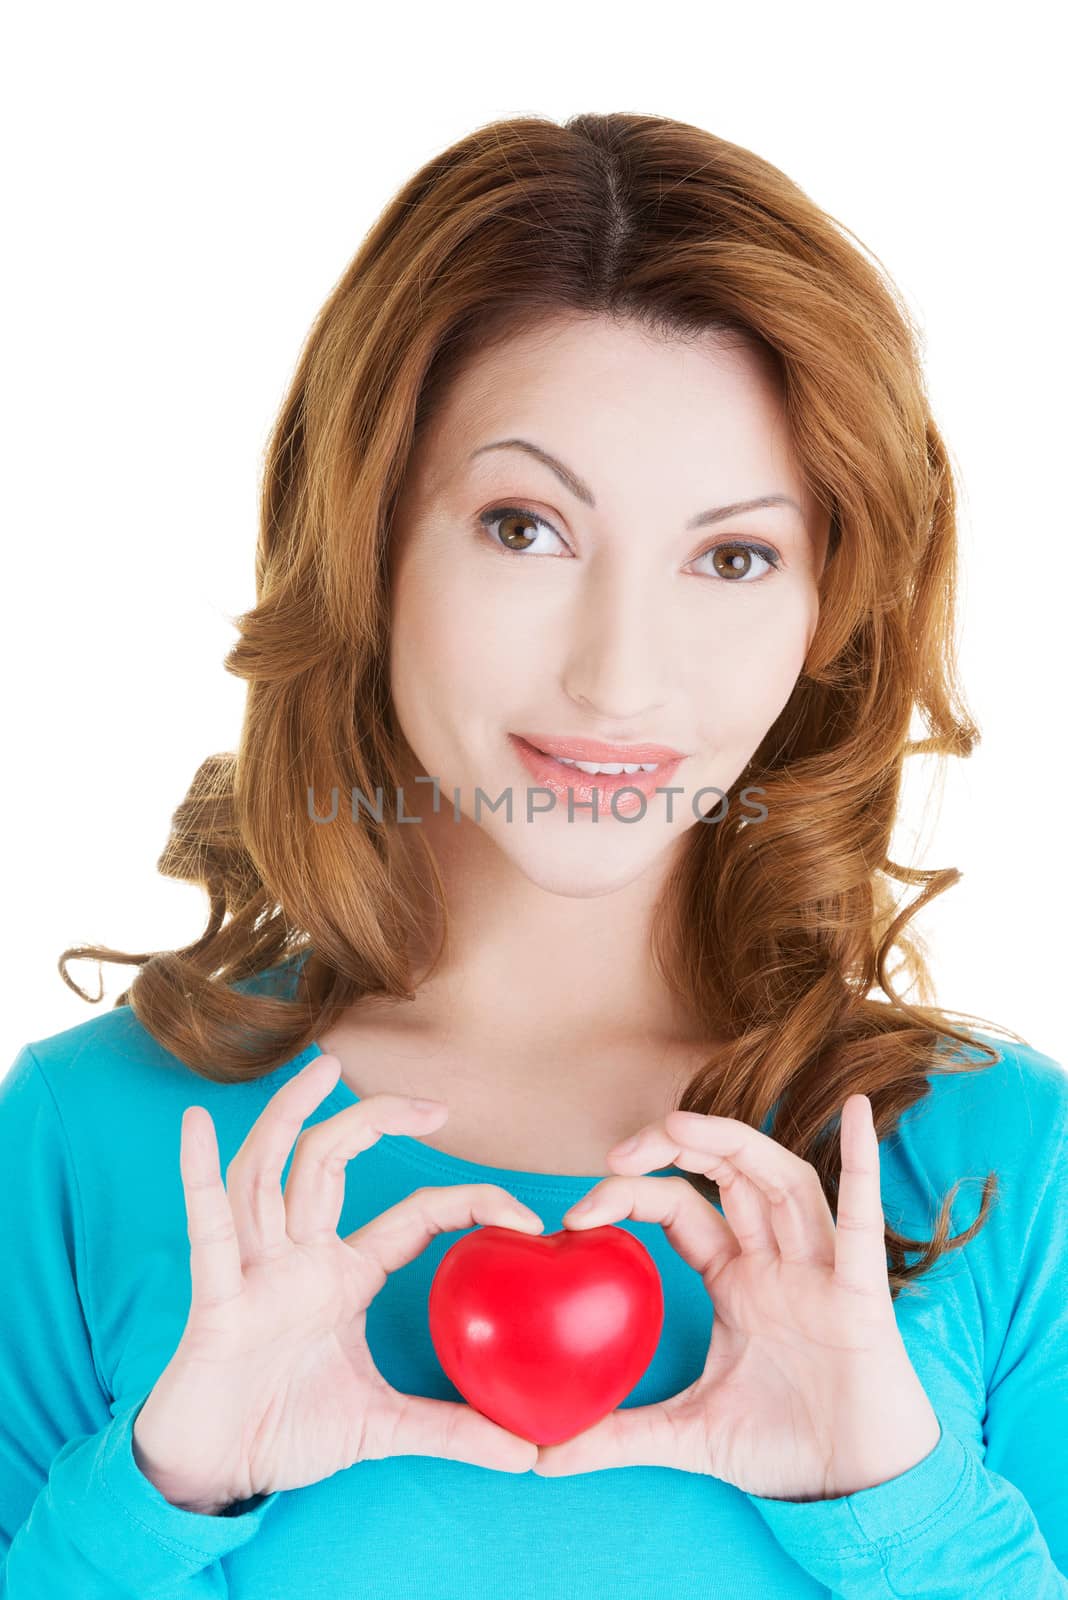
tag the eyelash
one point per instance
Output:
(497, 513)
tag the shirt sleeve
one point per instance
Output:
(958, 1525)
(77, 1515)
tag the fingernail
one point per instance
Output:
(426, 1105)
(625, 1148)
(581, 1205)
(526, 1219)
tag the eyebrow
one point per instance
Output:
(582, 491)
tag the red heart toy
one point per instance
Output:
(545, 1334)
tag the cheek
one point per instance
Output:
(746, 667)
(458, 647)
(473, 624)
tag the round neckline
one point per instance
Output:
(457, 1168)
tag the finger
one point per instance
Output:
(253, 1178)
(635, 1436)
(396, 1236)
(214, 1257)
(315, 1183)
(797, 1208)
(860, 1235)
(747, 1212)
(744, 1206)
(455, 1432)
(693, 1226)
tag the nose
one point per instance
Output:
(618, 659)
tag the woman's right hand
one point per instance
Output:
(272, 1385)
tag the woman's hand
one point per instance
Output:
(273, 1385)
(808, 1392)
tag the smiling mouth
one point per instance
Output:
(598, 757)
(606, 768)
(603, 784)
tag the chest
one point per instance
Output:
(547, 1132)
(536, 1112)
(463, 1530)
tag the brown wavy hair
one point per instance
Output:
(776, 935)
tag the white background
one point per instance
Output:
(182, 188)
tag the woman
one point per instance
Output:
(607, 548)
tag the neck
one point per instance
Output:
(523, 962)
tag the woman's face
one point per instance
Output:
(585, 603)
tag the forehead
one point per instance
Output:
(569, 350)
(573, 379)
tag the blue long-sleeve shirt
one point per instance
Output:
(95, 1260)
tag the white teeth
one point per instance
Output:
(609, 768)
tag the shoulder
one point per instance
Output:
(1008, 1116)
(111, 1070)
(104, 1063)
(116, 1088)
(1016, 1099)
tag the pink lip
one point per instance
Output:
(596, 750)
(587, 789)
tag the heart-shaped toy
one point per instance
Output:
(545, 1334)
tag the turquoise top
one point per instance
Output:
(95, 1255)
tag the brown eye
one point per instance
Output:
(733, 561)
(516, 524)
(512, 532)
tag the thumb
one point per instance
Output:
(636, 1436)
(455, 1431)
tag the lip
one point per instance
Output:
(596, 790)
(597, 750)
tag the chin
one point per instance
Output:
(582, 874)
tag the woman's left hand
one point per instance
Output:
(808, 1392)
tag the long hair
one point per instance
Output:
(774, 935)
